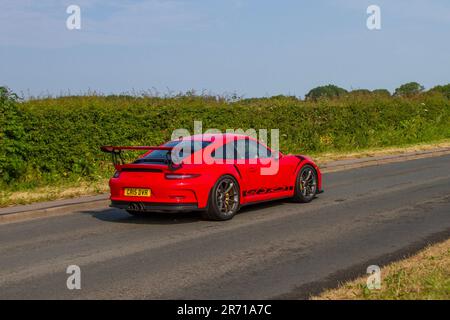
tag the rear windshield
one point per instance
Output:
(187, 147)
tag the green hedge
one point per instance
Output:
(50, 139)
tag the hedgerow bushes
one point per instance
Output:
(13, 145)
(46, 140)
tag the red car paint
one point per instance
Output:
(188, 186)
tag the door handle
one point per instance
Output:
(253, 169)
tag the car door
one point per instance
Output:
(243, 155)
(234, 152)
(249, 165)
(274, 171)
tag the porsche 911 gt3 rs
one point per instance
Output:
(216, 174)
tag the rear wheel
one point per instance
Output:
(306, 184)
(224, 200)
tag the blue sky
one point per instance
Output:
(251, 47)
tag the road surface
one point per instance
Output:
(366, 216)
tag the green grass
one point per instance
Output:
(424, 276)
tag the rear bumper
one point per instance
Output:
(163, 191)
(154, 206)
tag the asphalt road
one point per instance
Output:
(366, 216)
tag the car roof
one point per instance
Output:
(216, 136)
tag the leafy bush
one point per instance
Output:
(367, 93)
(52, 139)
(13, 147)
(362, 92)
(329, 91)
(382, 92)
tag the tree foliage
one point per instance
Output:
(328, 91)
(409, 89)
(444, 90)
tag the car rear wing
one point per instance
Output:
(117, 159)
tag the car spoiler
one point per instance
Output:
(117, 159)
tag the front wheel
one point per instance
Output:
(224, 199)
(306, 184)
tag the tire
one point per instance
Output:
(135, 213)
(222, 204)
(305, 184)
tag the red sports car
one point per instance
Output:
(213, 173)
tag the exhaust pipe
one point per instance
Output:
(136, 207)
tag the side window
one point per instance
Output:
(263, 152)
(227, 151)
(256, 150)
(241, 149)
(251, 149)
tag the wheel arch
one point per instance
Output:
(211, 212)
(235, 175)
(303, 161)
(229, 171)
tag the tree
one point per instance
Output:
(444, 90)
(329, 91)
(409, 89)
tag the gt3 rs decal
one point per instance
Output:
(253, 192)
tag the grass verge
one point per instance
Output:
(76, 188)
(322, 158)
(424, 276)
(59, 191)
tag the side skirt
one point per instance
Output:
(264, 201)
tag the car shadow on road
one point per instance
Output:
(257, 207)
(121, 216)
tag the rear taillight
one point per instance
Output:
(180, 176)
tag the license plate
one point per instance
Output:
(135, 192)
